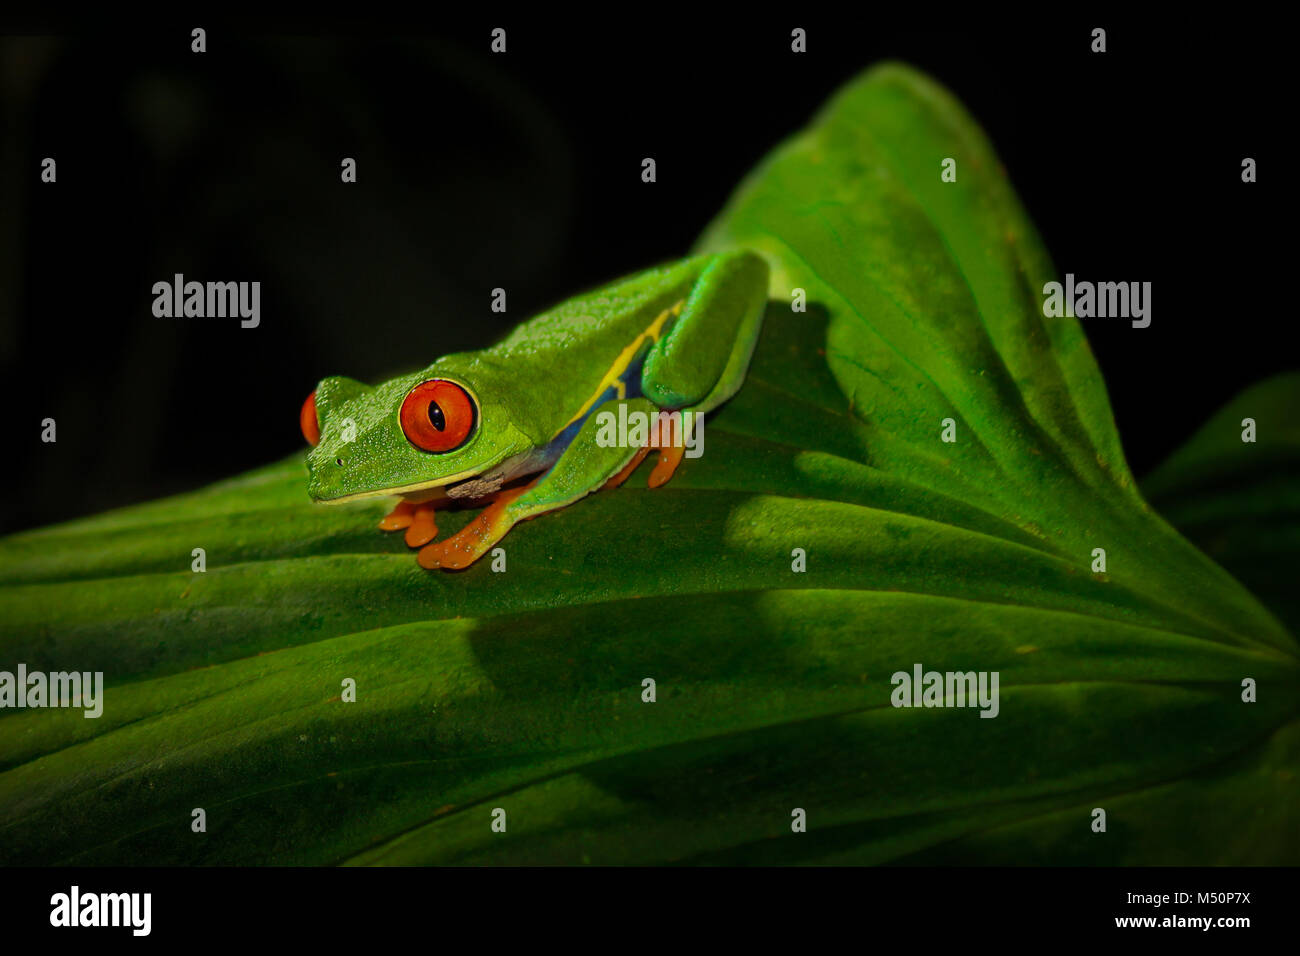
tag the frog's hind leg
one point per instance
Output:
(701, 361)
(586, 465)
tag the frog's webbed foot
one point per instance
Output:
(417, 519)
(670, 453)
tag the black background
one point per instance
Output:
(522, 171)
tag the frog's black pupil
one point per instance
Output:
(436, 417)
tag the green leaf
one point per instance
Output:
(522, 690)
(1238, 500)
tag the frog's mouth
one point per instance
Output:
(475, 483)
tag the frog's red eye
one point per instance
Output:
(437, 415)
(308, 422)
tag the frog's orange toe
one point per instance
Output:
(438, 556)
(626, 471)
(671, 445)
(399, 518)
(423, 528)
(669, 459)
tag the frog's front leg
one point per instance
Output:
(585, 466)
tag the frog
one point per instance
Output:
(517, 427)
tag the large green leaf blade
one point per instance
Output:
(934, 291)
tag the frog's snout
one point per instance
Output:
(324, 472)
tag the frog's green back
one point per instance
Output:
(571, 349)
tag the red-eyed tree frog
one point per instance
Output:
(675, 338)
